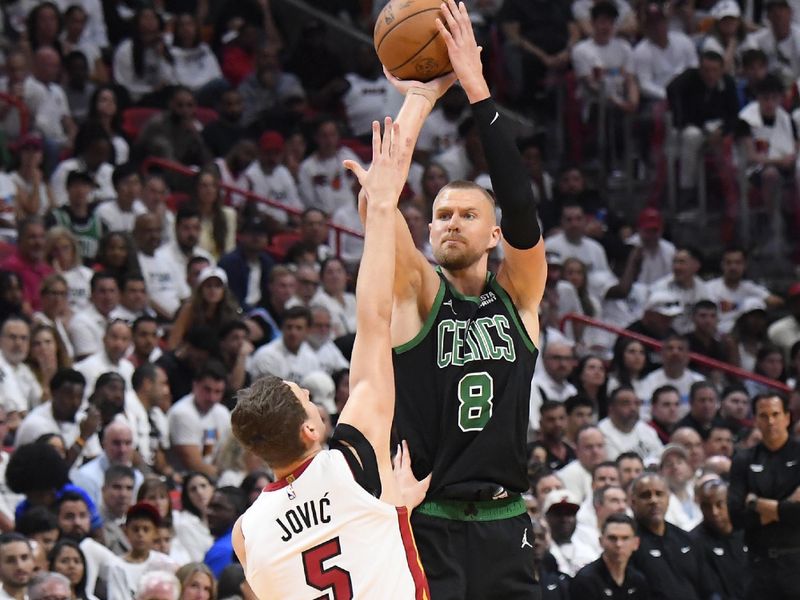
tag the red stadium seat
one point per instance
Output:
(134, 119)
(281, 242)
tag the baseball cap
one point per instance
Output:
(146, 510)
(271, 140)
(29, 141)
(650, 218)
(561, 500)
(210, 272)
(554, 258)
(79, 176)
(673, 449)
(255, 225)
(726, 8)
(322, 389)
(752, 305)
(664, 303)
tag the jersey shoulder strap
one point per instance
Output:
(355, 447)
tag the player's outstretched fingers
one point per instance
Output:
(450, 19)
(376, 140)
(386, 143)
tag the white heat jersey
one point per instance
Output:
(324, 536)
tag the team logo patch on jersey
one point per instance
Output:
(487, 299)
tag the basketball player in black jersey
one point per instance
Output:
(464, 352)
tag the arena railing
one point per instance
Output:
(181, 169)
(699, 359)
(21, 108)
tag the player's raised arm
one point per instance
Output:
(370, 408)
(414, 276)
(525, 269)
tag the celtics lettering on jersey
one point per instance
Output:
(461, 342)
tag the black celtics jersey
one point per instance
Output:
(463, 391)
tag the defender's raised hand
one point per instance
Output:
(386, 176)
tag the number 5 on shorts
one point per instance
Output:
(475, 395)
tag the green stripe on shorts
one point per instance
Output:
(463, 510)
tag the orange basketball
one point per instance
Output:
(407, 41)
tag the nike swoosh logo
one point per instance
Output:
(791, 463)
(496, 116)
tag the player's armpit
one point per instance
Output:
(523, 274)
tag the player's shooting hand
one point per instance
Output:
(432, 90)
(465, 54)
(385, 179)
(412, 491)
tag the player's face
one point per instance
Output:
(312, 412)
(463, 228)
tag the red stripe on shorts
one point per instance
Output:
(412, 555)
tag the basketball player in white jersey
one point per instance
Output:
(335, 523)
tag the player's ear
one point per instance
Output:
(636, 540)
(494, 237)
(310, 432)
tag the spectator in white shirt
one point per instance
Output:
(674, 371)
(269, 178)
(95, 32)
(731, 290)
(572, 241)
(111, 358)
(560, 508)
(682, 510)
(185, 244)
(142, 64)
(624, 430)
(604, 63)
(21, 390)
(93, 153)
(606, 501)
(603, 474)
(118, 449)
(133, 300)
(290, 356)
(366, 94)
(324, 182)
(164, 280)
(780, 41)
(120, 213)
(154, 195)
(63, 252)
(440, 131)
(87, 328)
(48, 102)
(198, 423)
(320, 339)
(657, 253)
(334, 296)
(661, 55)
(196, 66)
(590, 447)
(59, 416)
(785, 332)
(684, 283)
(552, 381)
